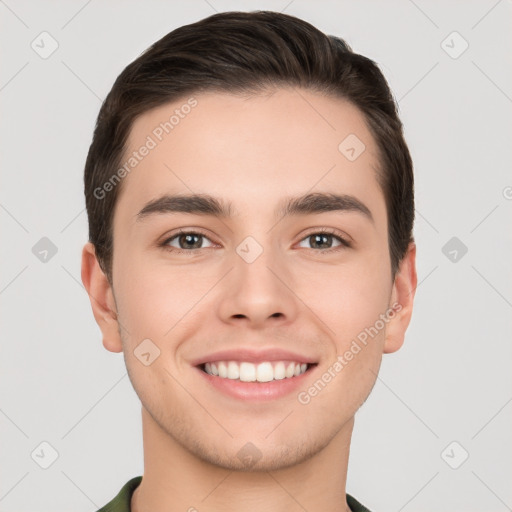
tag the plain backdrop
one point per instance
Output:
(67, 403)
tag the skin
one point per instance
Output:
(253, 151)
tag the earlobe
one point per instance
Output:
(101, 297)
(402, 299)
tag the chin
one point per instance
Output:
(259, 456)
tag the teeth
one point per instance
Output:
(250, 372)
(223, 369)
(279, 371)
(264, 372)
(247, 372)
(290, 370)
(233, 370)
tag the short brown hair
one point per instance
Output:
(240, 52)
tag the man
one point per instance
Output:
(250, 203)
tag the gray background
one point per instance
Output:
(450, 381)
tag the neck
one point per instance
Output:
(176, 480)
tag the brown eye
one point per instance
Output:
(325, 240)
(186, 241)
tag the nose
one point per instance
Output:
(258, 293)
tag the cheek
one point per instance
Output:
(350, 299)
(351, 305)
(154, 300)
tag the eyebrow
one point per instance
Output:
(204, 204)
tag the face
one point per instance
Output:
(300, 299)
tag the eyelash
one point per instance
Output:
(322, 231)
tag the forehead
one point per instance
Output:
(250, 150)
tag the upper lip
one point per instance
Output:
(254, 356)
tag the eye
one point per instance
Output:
(187, 241)
(323, 239)
(190, 241)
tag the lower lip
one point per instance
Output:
(257, 391)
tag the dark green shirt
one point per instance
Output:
(122, 502)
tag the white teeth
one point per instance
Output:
(223, 369)
(247, 372)
(250, 372)
(233, 370)
(264, 372)
(290, 370)
(279, 371)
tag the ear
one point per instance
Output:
(402, 297)
(102, 299)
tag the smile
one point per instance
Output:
(255, 375)
(245, 371)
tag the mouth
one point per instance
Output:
(256, 380)
(246, 371)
